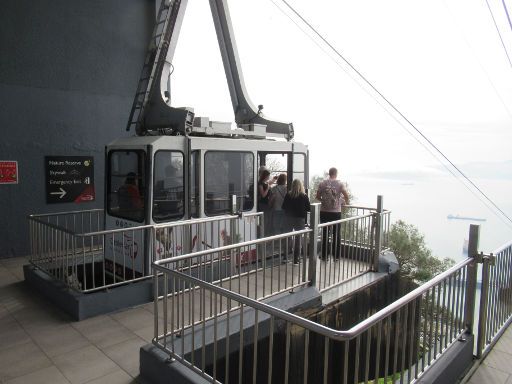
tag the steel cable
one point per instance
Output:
(400, 114)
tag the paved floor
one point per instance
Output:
(497, 366)
(40, 344)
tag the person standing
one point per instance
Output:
(333, 195)
(264, 184)
(296, 205)
(276, 204)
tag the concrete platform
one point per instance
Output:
(82, 306)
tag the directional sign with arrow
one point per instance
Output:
(69, 179)
(62, 193)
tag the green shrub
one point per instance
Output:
(416, 260)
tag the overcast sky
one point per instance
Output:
(440, 62)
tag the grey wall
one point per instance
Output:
(68, 73)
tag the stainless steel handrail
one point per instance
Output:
(362, 207)
(167, 225)
(206, 220)
(56, 247)
(194, 221)
(504, 247)
(495, 312)
(230, 247)
(60, 242)
(353, 218)
(423, 324)
(54, 226)
(110, 231)
(312, 326)
(64, 213)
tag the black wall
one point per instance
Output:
(68, 74)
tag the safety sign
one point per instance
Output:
(8, 172)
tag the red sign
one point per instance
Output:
(8, 172)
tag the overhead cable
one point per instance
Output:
(498, 30)
(397, 111)
(471, 49)
(506, 13)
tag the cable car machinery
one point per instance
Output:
(179, 166)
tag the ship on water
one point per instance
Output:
(459, 217)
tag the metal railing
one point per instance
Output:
(495, 311)
(238, 338)
(346, 249)
(257, 268)
(184, 237)
(385, 215)
(252, 341)
(54, 246)
(73, 247)
(351, 246)
(73, 221)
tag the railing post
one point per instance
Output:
(233, 230)
(487, 261)
(155, 302)
(260, 231)
(233, 205)
(151, 238)
(469, 310)
(314, 218)
(232, 222)
(378, 234)
(187, 239)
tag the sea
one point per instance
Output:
(426, 201)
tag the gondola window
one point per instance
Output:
(168, 187)
(227, 174)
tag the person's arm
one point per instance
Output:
(262, 191)
(318, 192)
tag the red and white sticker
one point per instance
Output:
(8, 172)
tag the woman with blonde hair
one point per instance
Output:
(296, 205)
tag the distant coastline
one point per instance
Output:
(458, 217)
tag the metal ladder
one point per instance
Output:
(155, 58)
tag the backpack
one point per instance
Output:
(329, 197)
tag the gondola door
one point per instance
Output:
(169, 198)
(222, 170)
(126, 207)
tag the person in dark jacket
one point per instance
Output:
(264, 185)
(296, 205)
